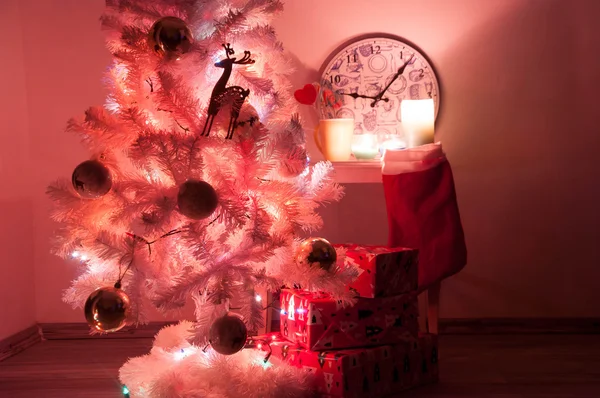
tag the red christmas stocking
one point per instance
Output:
(422, 210)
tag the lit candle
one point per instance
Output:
(364, 146)
(418, 118)
(391, 141)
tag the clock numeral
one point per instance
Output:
(352, 58)
(422, 73)
(375, 49)
(335, 79)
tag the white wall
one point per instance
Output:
(519, 83)
(16, 224)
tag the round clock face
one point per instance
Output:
(360, 73)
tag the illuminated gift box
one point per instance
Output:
(371, 372)
(384, 272)
(318, 322)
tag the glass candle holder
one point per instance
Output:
(365, 146)
(391, 141)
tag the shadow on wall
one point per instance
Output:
(304, 75)
(518, 126)
(518, 94)
(360, 216)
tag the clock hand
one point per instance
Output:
(379, 97)
(356, 95)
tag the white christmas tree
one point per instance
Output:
(198, 189)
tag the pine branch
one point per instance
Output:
(99, 130)
(135, 287)
(111, 248)
(176, 98)
(199, 246)
(61, 191)
(191, 150)
(258, 85)
(260, 224)
(250, 309)
(206, 313)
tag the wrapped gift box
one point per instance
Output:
(372, 372)
(319, 323)
(384, 272)
(428, 347)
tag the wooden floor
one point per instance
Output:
(504, 366)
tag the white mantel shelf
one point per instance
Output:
(354, 172)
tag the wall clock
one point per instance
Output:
(373, 75)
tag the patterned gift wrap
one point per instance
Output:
(372, 372)
(384, 272)
(317, 322)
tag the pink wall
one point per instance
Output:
(519, 104)
(16, 224)
(518, 99)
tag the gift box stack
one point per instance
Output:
(370, 349)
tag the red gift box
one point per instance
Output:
(318, 322)
(364, 372)
(428, 347)
(384, 272)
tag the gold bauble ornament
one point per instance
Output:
(91, 179)
(228, 334)
(197, 199)
(316, 252)
(106, 309)
(170, 36)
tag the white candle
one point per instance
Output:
(418, 117)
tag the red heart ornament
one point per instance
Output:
(306, 95)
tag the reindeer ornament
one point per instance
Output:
(221, 94)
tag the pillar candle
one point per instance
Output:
(418, 117)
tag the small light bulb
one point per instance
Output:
(258, 298)
(282, 312)
(266, 361)
(300, 310)
(274, 337)
(83, 257)
(259, 346)
(125, 390)
(147, 122)
(183, 353)
(75, 254)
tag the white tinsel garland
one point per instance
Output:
(177, 369)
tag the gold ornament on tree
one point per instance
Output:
(170, 36)
(316, 252)
(197, 199)
(228, 334)
(106, 309)
(91, 179)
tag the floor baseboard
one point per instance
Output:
(63, 331)
(72, 331)
(19, 342)
(520, 326)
